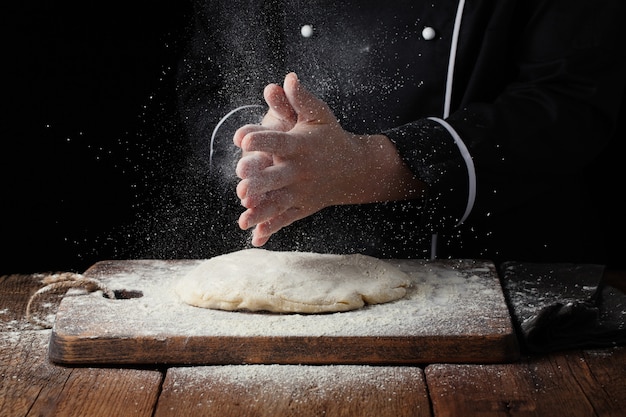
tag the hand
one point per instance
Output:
(300, 160)
(280, 116)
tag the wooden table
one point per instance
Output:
(573, 383)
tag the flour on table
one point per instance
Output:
(291, 282)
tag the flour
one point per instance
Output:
(355, 390)
(281, 379)
(443, 298)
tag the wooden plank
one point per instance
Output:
(15, 290)
(454, 312)
(601, 374)
(31, 386)
(572, 384)
(291, 390)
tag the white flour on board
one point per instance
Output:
(442, 299)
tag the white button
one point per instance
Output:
(306, 31)
(428, 33)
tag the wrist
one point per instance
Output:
(377, 173)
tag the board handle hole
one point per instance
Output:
(127, 294)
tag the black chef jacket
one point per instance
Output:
(498, 105)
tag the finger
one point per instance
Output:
(253, 193)
(281, 115)
(272, 205)
(308, 106)
(256, 188)
(242, 190)
(259, 240)
(245, 130)
(252, 163)
(271, 142)
(263, 231)
(248, 194)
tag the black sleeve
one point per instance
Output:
(555, 115)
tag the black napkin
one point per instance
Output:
(565, 306)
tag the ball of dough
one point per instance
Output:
(291, 282)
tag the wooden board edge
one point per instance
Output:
(228, 350)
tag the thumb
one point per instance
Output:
(281, 116)
(307, 106)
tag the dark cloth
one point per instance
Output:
(566, 306)
(536, 93)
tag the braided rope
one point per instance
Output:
(65, 280)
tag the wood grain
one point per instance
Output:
(16, 290)
(31, 386)
(458, 326)
(584, 384)
(589, 383)
(288, 390)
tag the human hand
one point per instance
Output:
(287, 160)
(280, 116)
(300, 160)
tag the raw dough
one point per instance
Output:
(291, 282)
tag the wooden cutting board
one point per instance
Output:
(454, 312)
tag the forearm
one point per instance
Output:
(376, 173)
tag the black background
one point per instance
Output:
(89, 128)
(90, 138)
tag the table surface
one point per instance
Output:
(572, 383)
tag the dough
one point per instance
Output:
(291, 282)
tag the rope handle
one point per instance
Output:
(65, 280)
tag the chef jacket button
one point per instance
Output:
(428, 33)
(306, 31)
